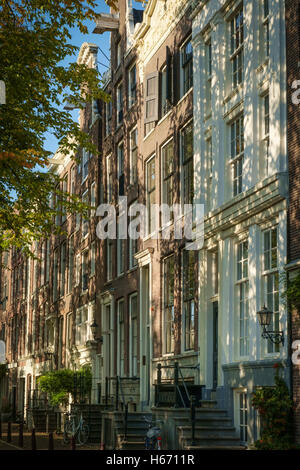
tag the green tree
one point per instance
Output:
(34, 40)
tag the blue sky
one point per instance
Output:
(102, 40)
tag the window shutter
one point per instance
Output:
(169, 76)
(151, 98)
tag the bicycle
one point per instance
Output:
(79, 431)
(153, 436)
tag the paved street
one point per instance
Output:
(42, 441)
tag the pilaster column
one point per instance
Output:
(218, 43)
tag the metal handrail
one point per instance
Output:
(177, 370)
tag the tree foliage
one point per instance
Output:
(34, 40)
(275, 407)
(60, 383)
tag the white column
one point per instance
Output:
(251, 121)
(226, 304)
(277, 95)
(198, 119)
(254, 275)
(202, 319)
(218, 42)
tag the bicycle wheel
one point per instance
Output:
(83, 434)
(68, 430)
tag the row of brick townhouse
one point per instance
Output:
(200, 112)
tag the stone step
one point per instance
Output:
(207, 441)
(185, 432)
(132, 446)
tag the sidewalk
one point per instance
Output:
(42, 440)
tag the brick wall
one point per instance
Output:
(293, 73)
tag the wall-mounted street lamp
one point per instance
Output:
(94, 329)
(264, 318)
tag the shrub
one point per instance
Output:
(61, 383)
(275, 407)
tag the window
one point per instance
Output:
(93, 199)
(65, 190)
(188, 275)
(133, 156)
(69, 330)
(81, 326)
(241, 414)
(271, 281)
(133, 243)
(55, 275)
(85, 164)
(168, 303)
(266, 28)
(121, 337)
(209, 166)
(109, 244)
(208, 53)
(187, 164)
(119, 105)
(266, 131)
(242, 287)
(63, 269)
(77, 269)
(47, 260)
(72, 182)
(133, 331)
(71, 264)
(60, 340)
(120, 253)
(121, 176)
(151, 100)
(119, 53)
(168, 170)
(131, 86)
(109, 179)
(166, 80)
(85, 221)
(187, 66)
(214, 273)
(150, 194)
(236, 49)
(237, 154)
(108, 116)
(85, 271)
(93, 258)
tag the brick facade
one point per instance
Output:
(293, 142)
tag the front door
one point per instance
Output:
(215, 345)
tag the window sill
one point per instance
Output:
(149, 133)
(164, 117)
(184, 96)
(238, 89)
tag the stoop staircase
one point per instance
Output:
(213, 430)
(136, 431)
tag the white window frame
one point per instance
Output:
(167, 179)
(242, 299)
(132, 97)
(183, 164)
(183, 89)
(132, 163)
(244, 425)
(271, 272)
(148, 196)
(165, 352)
(121, 337)
(85, 272)
(236, 54)
(133, 361)
(85, 222)
(236, 159)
